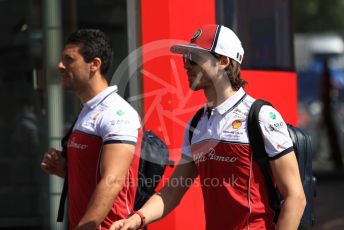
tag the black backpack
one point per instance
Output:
(303, 150)
(153, 161)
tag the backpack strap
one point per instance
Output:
(193, 124)
(60, 213)
(255, 134)
(64, 142)
(260, 156)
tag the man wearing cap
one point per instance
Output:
(218, 150)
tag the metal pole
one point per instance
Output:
(53, 46)
(134, 31)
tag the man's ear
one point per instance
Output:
(224, 62)
(95, 64)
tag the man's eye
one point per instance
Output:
(67, 59)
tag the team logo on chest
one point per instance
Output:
(91, 120)
(95, 116)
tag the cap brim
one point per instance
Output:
(186, 48)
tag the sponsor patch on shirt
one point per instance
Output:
(275, 126)
(120, 112)
(73, 144)
(272, 115)
(236, 124)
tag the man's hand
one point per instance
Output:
(131, 223)
(54, 163)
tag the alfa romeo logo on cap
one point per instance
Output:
(196, 35)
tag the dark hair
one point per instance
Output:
(233, 73)
(93, 43)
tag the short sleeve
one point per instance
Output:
(275, 132)
(120, 126)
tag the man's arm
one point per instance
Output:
(115, 163)
(287, 177)
(163, 202)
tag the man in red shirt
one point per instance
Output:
(100, 163)
(234, 191)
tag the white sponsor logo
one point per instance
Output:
(276, 126)
(119, 122)
(212, 155)
(73, 144)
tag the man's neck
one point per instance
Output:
(216, 96)
(93, 89)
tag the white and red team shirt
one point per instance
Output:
(105, 119)
(233, 186)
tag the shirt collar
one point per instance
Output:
(100, 97)
(230, 102)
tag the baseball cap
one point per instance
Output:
(215, 39)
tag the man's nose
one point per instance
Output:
(61, 66)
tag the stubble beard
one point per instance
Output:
(195, 85)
